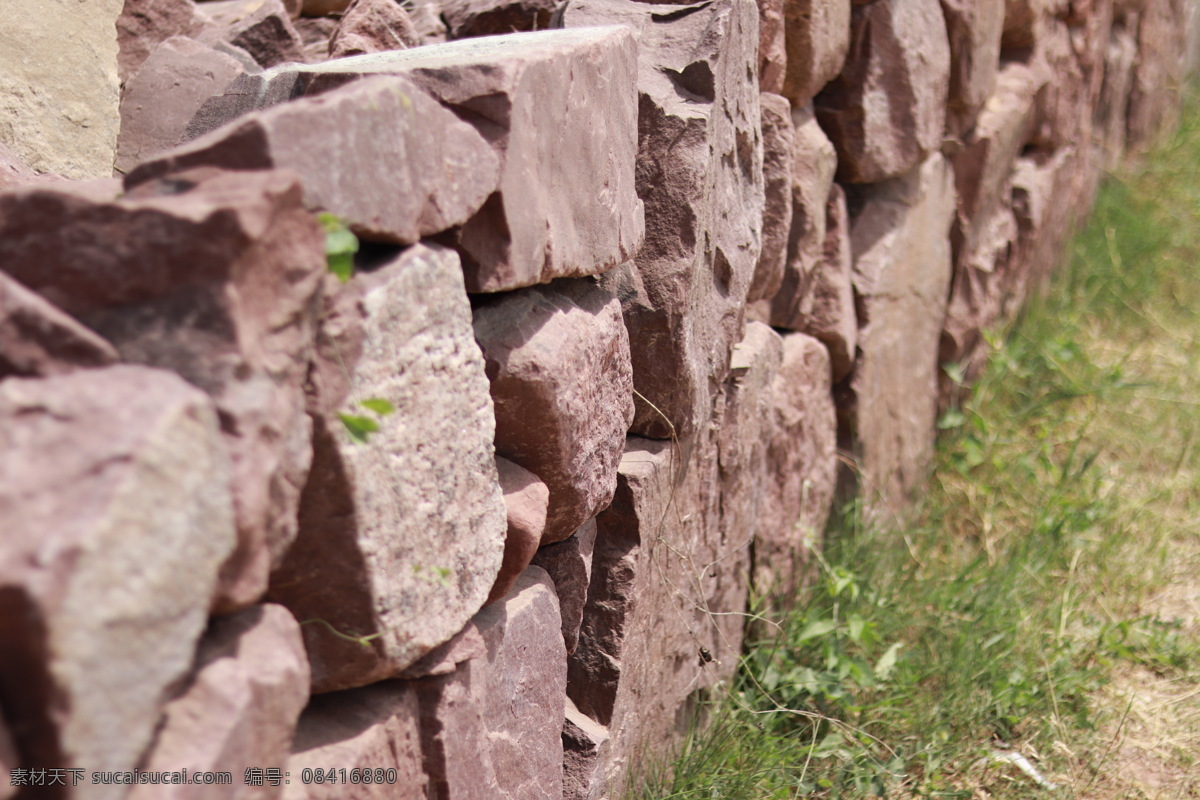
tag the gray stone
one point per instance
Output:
(36, 339)
(569, 564)
(818, 39)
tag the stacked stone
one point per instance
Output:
(485, 518)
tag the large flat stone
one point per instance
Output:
(886, 110)
(212, 275)
(818, 39)
(239, 708)
(37, 339)
(401, 535)
(396, 166)
(60, 114)
(700, 176)
(559, 365)
(104, 594)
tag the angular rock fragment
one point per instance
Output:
(818, 39)
(144, 24)
(397, 166)
(582, 739)
(772, 46)
(559, 365)
(263, 28)
(373, 26)
(402, 520)
(778, 144)
(102, 598)
(886, 110)
(569, 564)
(974, 28)
(212, 275)
(36, 339)
(526, 499)
(238, 710)
(468, 18)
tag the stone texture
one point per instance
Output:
(699, 174)
(778, 144)
(467, 18)
(974, 28)
(373, 26)
(1113, 109)
(161, 98)
(830, 316)
(886, 110)
(215, 276)
(144, 24)
(818, 40)
(526, 499)
(37, 339)
(559, 365)
(801, 471)
(902, 271)
(61, 114)
(239, 708)
(1159, 74)
(401, 536)
(375, 727)
(13, 171)
(263, 28)
(439, 170)
(583, 739)
(772, 46)
(104, 596)
(569, 564)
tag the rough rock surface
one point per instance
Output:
(373, 26)
(772, 46)
(886, 110)
(61, 114)
(569, 564)
(438, 170)
(401, 536)
(974, 28)
(375, 727)
(215, 276)
(1158, 79)
(778, 143)
(830, 314)
(902, 271)
(818, 39)
(144, 24)
(239, 708)
(13, 171)
(467, 18)
(263, 28)
(559, 365)
(699, 174)
(134, 554)
(37, 339)
(159, 101)
(583, 739)
(526, 499)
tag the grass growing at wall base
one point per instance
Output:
(1051, 580)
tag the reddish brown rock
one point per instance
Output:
(215, 276)
(829, 315)
(800, 469)
(467, 18)
(526, 499)
(238, 710)
(263, 28)
(9, 760)
(569, 564)
(974, 28)
(558, 361)
(13, 171)
(105, 595)
(902, 270)
(160, 100)
(438, 170)
(778, 144)
(699, 174)
(818, 39)
(373, 26)
(772, 46)
(583, 739)
(886, 110)
(36, 339)
(315, 33)
(1159, 74)
(402, 529)
(375, 727)
(323, 8)
(144, 24)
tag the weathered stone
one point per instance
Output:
(778, 144)
(772, 46)
(445, 658)
(36, 339)
(1043, 221)
(239, 709)
(467, 18)
(59, 93)
(162, 97)
(401, 536)
(886, 110)
(263, 28)
(902, 272)
(1113, 109)
(526, 499)
(583, 738)
(493, 729)
(375, 727)
(315, 33)
(800, 468)
(215, 276)
(974, 28)
(569, 564)
(13, 171)
(398, 166)
(126, 566)
(818, 39)
(830, 316)
(559, 365)
(699, 173)
(144, 24)
(373, 26)
(1159, 75)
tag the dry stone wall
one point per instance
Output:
(620, 284)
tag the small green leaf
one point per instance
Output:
(816, 628)
(887, 661)
(359, 428)
(340, 246)
(378, 405)
(951, 419)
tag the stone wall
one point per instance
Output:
(480, 515)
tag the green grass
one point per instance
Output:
(1036, 581)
